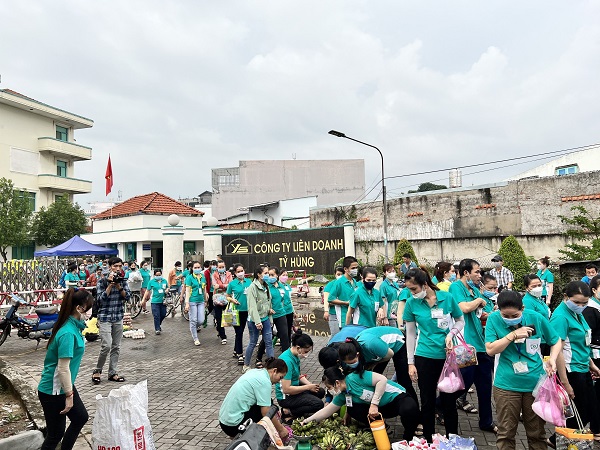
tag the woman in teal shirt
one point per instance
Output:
(532, 300)
(56, 389)
(575, 363)
(72, 277)
(390, 293)
(366, 305)
(145, 273)
(194, 293)
(157, 288)
(236, 293)
(547, 279)
(433, 311)
(368, 394)
(288, 306)
(515, 333)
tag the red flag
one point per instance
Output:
(109, 177)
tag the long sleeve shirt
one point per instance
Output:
(110, 306)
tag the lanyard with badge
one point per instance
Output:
(520, 366)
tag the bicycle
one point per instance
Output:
(172, 300)
(133, 306)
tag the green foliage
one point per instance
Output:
(59, 223)
(424, 187)
(15, 217)
(404, 246)
(586, 228)
(515, 260)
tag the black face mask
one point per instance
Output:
(369, 284)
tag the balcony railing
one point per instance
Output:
(61, 148)
(64, 184)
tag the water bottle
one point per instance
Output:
(382, 441)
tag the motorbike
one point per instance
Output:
(254, 436)
(28, 328)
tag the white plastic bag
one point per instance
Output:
(121, 420)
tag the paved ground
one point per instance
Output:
(186, 384)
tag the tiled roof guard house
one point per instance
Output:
(154, 203)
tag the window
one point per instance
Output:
(23, 251)
(189, 247)
(567, 170)
(62, 133)
(30, 196)
(61, 169)
(57, 197)
(131, 251)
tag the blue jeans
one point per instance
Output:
(159, 311)
(267, 335)
(196, 317)
(481, 376)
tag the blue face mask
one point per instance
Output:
(488, 294)
(266, 277)
(271, 280)
(197, 271)
(512, 322)
(221, 270)
(577, 309)
(453, 277)
(353, 365)
(472, 285)
(158, 277)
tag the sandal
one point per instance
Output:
(96, 379)
(259, 364)
(439, 418)
(491, 428)
(116, 378)
(241, 361)
(466, 406)
(419, 430)
(597, 437)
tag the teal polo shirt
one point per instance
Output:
(293, 374)
(158, 288)
(432, 330)
(547, 277)
(145, 278)
(327, 289)
(252, 388)
(527, 352)
(237, 289)
(577, 336)
(72, 279)
(342, 290)
(361, 389)
(288, 306)
(366, 304)
(67, 343)
(473, 331)
(277, 300)
(390, 291)
(178, 273)
(196, 285)
(536, 304)
(375, 342)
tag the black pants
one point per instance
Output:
(238, 347)
(255, 414)
(218, 312)
(56, 422)
(400, 359)
(429, 371)
(305, 404)
(403, 405)
(290, 323)
(210, 304)
(282, 334)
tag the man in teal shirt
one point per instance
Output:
(466, 293)
(343, 289)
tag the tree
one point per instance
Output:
(587, 228)
(424, 187)
(515, 260)
(60, 222)
(15, 216)
(404, 247)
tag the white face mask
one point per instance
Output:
(390, 275)
(337, 277)
(540, 267)
(497, 264)
(421, 295)
(537, 291)
(336, 391)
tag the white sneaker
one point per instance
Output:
(196, 342)
(245, 369)
(223, 341)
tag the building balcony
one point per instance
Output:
(64, 184)
(61, 148)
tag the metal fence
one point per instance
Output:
(30, 275)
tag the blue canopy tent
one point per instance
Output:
(77, 247)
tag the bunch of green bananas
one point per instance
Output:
(332, 441)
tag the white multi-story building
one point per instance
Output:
(586, 160)
(38, 152)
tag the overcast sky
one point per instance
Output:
(177, 88)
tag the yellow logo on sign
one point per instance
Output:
(239, 247)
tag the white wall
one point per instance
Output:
(587, 160)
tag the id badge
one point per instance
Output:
(160, 291)
(437, 313)
(588, 338)
(377, 307)
(520, 367)
(443, 323)
(533, 345)
(349, 401)
(245, 291)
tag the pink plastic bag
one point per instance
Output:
(451, 379)
(466, 355)
(550, 401)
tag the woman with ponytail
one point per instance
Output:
(56, 390)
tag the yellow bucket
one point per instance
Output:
(382, 441)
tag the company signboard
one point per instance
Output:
(315, 250)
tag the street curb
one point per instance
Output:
(26, 390)
(27, 440)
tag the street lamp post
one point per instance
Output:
(385, 222)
